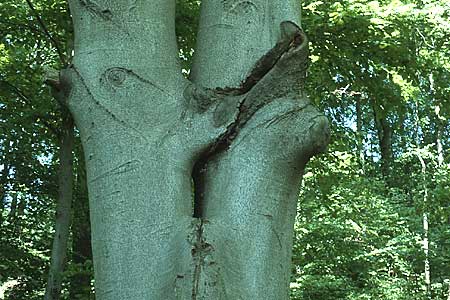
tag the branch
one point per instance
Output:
(29, 101)
(24, 26)
(47, 32)
(17, 91)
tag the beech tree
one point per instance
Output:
(193, 184)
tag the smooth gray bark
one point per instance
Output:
(251, 189)
(242, 129)
(63, 210)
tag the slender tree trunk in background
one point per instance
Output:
(426, 243)
(3, 183)
(385, 132)
(13, 208)
(359, 134)
(439, 123)
(16, 211)
(80, 283)
(63, 209)
(386, 146)
(146, 131)
(440, 148)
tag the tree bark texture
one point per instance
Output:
(63, 210)
(240, 129)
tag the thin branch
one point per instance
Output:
(18, 92)
(45, 120)
(47, 32)
(424, 39)
(25, 26)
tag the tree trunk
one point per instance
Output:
(63, 210)
(80, 283)
(13, 208)
(4, 181)
(359, 134)
(384, 130)
(242, 129)
(426, 243)
(440, 148)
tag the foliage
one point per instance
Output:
(360, 234)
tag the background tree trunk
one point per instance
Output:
(4, 180)
(80, 282)
(242, 130)
(426, 225)
(63, 210)
(384, 131)
(359, 133)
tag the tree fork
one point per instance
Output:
(146, 132)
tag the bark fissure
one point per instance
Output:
(292, 37)
(249, 100)
(199, 251)
(221, 144)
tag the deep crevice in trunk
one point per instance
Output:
(198, 180)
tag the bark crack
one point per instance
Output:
(200, 250)
(261, 87)
(292, 37)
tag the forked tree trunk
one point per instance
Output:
(241, 129)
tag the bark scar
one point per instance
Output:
(126, 167)
(266, 82)
(103, 13)
(201, 249)
(292, 37)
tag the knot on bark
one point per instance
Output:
(115, 76)
(199, 99)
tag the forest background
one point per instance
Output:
(373, 218)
